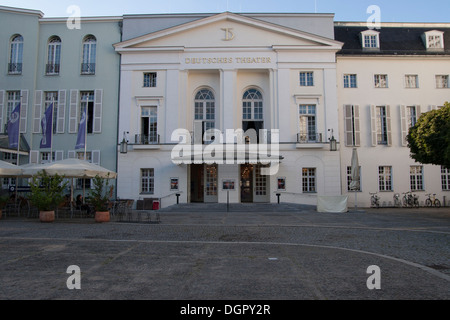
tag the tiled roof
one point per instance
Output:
(393, 41)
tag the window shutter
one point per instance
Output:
(95, 157)
(23, 111)
(348, 125)
(2, 104)
(34, 156)
(418, 112)
(403, 124)
(357, 126)
(73, 111)
(373, 125)
(71, 154)
(388, 126)
(59, 155)
(37, 111)
(98, 111)
(60, 122)
(433, 107)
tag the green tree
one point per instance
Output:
(47, 192)
(429, 139)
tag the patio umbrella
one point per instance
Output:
(9, 170)
(355, 175)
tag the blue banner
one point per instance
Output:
(13, 127)
(47, 127)
(81, 137)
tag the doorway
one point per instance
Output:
(254, 186)
(203, 183)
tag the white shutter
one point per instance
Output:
(60, 122)
(388, 126)
(373, 125)
(72, 154)
(348, 125)
(357, 127)
(59, 155)
(95, 157)
(34, 156)
(418, 112)
(73, 111)
(98, 98)
(432, 107)
(37, 111)
(403, 124)
(23, 111)
(2, 104)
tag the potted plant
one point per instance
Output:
(3, 201)
(99, 198)
(47, 192)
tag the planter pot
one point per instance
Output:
(102, 216)
(0, 213)
(47, 216)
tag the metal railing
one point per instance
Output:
(14, 68)
(310, 137)
(147, 139)
(88, 68)
(52, 68)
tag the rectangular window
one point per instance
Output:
(445, 178)
(416, 178)
(307, 79)
(411, 81)
(349, 178)
(371, 41)
(381, 80)
(149, 125)
(51, 97)
(147, 181)
(411, 116)
(45, 157)
(84, 183)
(381, 125)
(307, 122)
(350, 81)
(87, 103)
(309, 179)
(385, 178)
(434, 42)
(441, 81)
(150, 80)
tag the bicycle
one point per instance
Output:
(374, 200)
(397, 202)
(410, 200)
(431, 200)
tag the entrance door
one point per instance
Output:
(204, 183)
(246, 183)
(260, 191)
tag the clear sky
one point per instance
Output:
(344, 10)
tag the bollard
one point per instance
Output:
(278, 196)
(178, 198)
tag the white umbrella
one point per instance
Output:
(9, 170)
(70, 168)
(355, 175)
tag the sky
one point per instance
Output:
(344, 10)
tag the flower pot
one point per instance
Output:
(47, 216)
(102, 216)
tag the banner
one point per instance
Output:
(81, 138)
(13, 127)
(47, 127)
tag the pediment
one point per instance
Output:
(227, 30)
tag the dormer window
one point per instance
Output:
(434, 40)
(370, 40)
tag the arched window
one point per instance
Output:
(16, 55)
(252, 105)
(89, 55)
(204, 109)
(252, 112)
(54, 55)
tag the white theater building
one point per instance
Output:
(184, 74)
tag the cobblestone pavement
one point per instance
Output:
(241, 254)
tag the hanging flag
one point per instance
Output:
(81, 138)
(13, 127)
(47, 127)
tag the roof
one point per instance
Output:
(403, 40)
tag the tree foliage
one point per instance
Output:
(429, 139)
(101, 193)
(47, 192)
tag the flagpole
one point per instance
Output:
(18, 150)
(51, 132)
(85, 145)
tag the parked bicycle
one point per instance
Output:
(374, 200)
(397, 201)
(432, 201)
(410, 200)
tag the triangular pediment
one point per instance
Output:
(227, 30)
